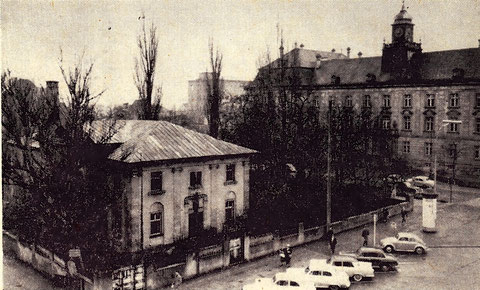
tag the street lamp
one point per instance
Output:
(429, 201)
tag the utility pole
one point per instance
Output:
(329, 161)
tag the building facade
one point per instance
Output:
(173, 183)
(197, 97)
(414, 93)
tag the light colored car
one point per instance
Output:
(404, 242)
(421, 181)
(322, 275)
(280, 281)
(354, 268)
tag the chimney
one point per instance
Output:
(319, 60)
(333, 50)
(52, 89)
(360, 54)
(348, 52)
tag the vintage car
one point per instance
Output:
(376, 256)
(280, 281)
(421, 181)
(404, 242)
(355, 269)
(322, 275)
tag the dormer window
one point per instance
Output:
(458, 73)
(334, 80)
(371, 78)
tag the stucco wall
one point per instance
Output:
(176, 182)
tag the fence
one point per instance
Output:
(41, 259)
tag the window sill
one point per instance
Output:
(194, 187)
(453, 132)
(156, 192)
(156, 236)
(453, 108)
(430, 107)
(407, 130)
(229, 182)
(407, 108)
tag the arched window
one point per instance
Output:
(156, 219)
(230, 208)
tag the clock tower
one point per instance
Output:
(400, 58)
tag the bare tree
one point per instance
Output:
(214, 90)
(149, 94)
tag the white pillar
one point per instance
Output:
(429, 211)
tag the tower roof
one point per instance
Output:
(403, 16)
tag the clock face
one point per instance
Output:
(398, 32)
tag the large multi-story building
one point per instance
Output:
(412, 91)
(197, 97)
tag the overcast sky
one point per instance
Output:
(33, 32)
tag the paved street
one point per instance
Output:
(452, 263)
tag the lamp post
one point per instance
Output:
(429, 201)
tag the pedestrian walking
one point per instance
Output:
(365, 234)
(282, 255)
(404, 215)
(288, 255)
(333, 244)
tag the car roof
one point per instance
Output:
(370, 249)
(343, 258)
(409, 235)
(319, 265)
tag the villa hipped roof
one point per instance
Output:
(144, 141)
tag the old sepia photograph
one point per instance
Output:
(240, 145)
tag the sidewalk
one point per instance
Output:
(457, 225)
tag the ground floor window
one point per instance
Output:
(156, 220)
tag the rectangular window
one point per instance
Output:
(430, 100)
(348, 101)
(386, 123)
(366, 101)
(429, 124)
(386, 101)
(428, 148)
(477, 125)
(452, 151)
(406, 146)
(407, 101)
(196, 179)
(407, 122)
(231, 172)
(453, 100)
(229, 211)
(453, 127)
(156, 223)
(156, 181)
(477, 100)
(477, 152)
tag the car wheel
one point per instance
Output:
(384, 268)
(388, 249)
(357, 277)
(420, 251)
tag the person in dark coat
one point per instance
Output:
(288, 255)
(333, 244)
(404, 214)
(365, 234)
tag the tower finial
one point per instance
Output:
(403, 4)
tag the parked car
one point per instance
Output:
(322, 275)
(421, 181)
(394, 179)
(404, 242)
(408, 189)
(280, 281)
(355, 269)
(376, 256)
